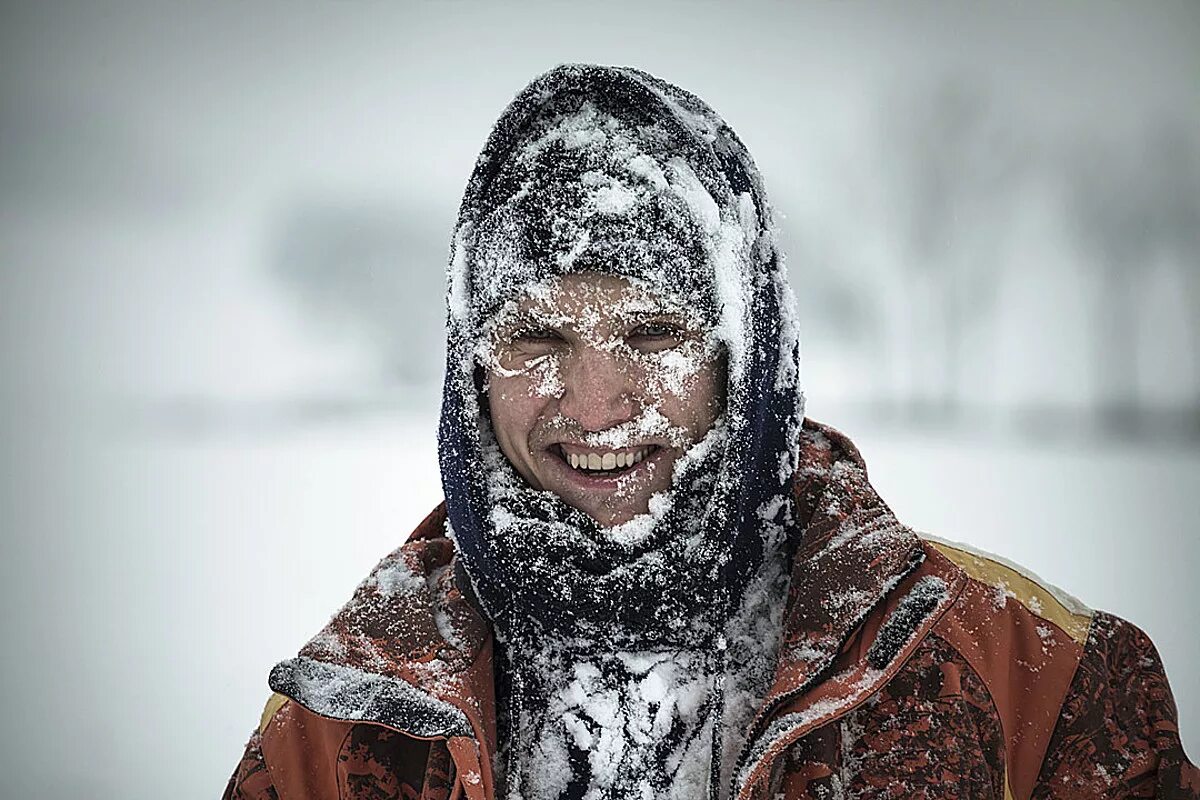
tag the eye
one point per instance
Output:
(535, 336)
(655, 330)
(656, 335)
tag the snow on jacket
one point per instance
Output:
(910, 667)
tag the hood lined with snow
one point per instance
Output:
(612, 170)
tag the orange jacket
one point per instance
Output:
(910, 667)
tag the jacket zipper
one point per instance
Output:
(818, 676)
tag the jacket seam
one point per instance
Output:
(1089, 645)
(987, 587)
(975, 668)
(338, 759)
(939, 613)
(991, 698)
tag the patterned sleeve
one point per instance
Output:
(250, 779)
(1118, 734)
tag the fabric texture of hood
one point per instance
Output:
(613, 170)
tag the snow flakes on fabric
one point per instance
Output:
(853, 554)
(890, 747)
(407, 623)
(349, 693)
(640, 721)
(900, 627)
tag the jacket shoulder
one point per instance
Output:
(1118, 733)
(432, 527)
(275, 704)
(1007, 581)
(1024, 638)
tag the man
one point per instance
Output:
(652, 577)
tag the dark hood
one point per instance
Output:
(614, 170)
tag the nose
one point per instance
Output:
(598, 390)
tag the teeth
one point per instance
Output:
(607, 461)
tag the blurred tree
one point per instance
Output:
(375, 271)
(1177, 168)
(1131, 208)
(1110, 208)
(958, 165)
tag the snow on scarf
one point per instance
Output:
(614, 170)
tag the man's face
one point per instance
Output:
(596, 387)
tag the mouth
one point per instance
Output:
(604, 464)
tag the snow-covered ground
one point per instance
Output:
(157, 580)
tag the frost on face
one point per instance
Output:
(584, 191)
(535, 334)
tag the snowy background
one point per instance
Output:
(222, 234)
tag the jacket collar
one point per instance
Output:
(852, 552)
(409, 650)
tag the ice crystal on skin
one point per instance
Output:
(505, 484)
(650, 422)
(671, 370)
(662, 370)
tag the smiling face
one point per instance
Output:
(596, 387)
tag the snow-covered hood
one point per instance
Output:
(614, 170)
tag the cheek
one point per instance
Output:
(710, 392)
(514, 407)
(685, 382)
(700, 402)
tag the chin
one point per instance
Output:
(608, 517)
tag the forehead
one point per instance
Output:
(594, 296)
